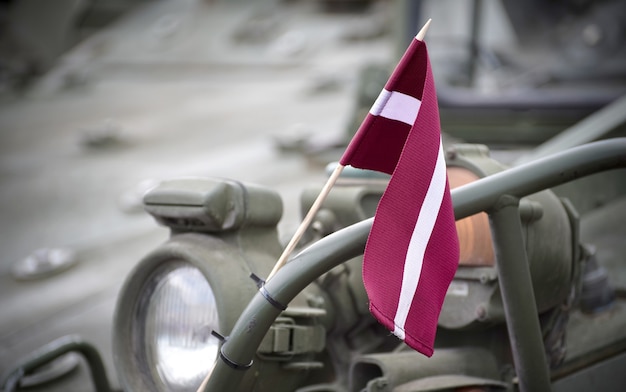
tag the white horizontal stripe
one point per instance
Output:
(396, 106)
(419, 240)
(380, 102)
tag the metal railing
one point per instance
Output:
(499, 196)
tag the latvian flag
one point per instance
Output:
(412, 251)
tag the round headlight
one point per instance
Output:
(175, 297)
(196, 283)
(175, 317)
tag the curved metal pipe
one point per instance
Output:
(245, 338)
(240, 347)
(54, 350)
(538, 175)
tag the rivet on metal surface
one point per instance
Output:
(481, 312)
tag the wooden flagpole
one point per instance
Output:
(422, 33)
(307, 220)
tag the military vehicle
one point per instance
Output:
(537, 302)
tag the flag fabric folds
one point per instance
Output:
(412, 250)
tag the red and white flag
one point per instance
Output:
(412, 251)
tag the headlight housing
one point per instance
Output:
(195, 283)
(473, 298)
(168, 307)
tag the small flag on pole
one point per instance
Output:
(412, 251)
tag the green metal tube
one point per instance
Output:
(538, 175)
(259, 315)
(518, 296)
(338, 247)
(54, 350)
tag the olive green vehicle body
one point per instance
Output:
(324, 340)
(533, 321)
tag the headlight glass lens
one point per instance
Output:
(177, 314)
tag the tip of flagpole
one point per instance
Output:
(420, 36)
